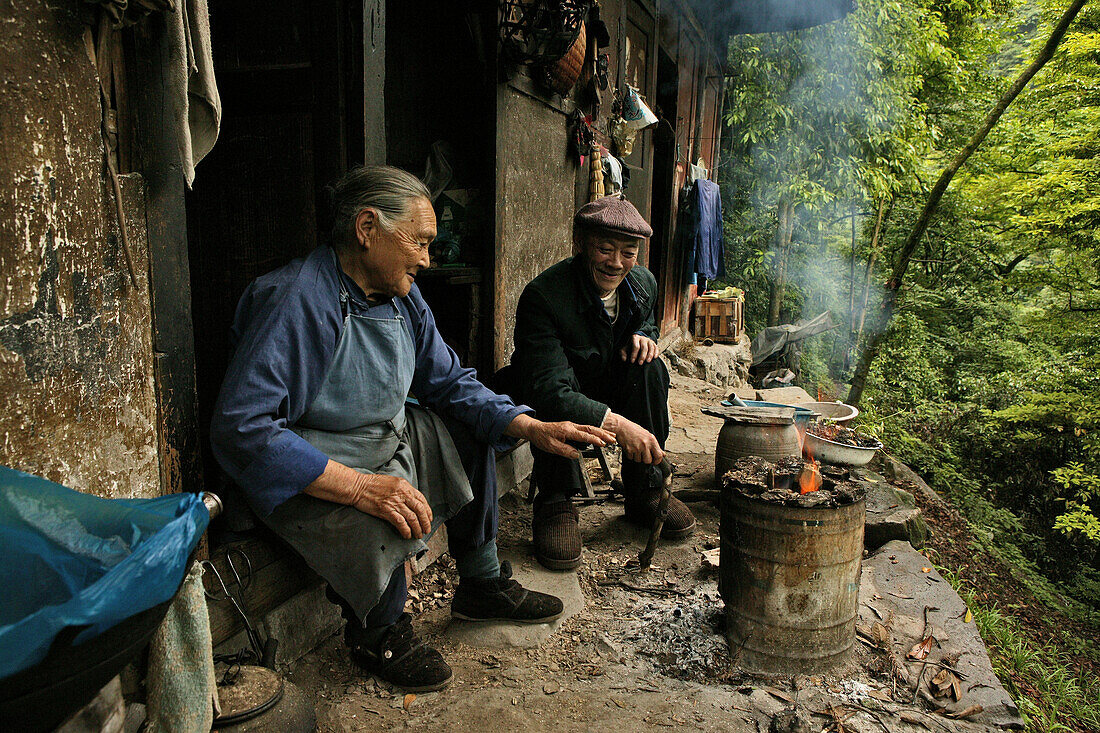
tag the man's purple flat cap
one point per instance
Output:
(613, 214)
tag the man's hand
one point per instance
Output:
(396, 501)
(638, 444)
(641, 350)
(554, 437)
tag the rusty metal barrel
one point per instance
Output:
(790, 579)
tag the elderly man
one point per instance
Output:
(312, 423)
(585, 351)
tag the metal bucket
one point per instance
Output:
(790, 580)
(740, 440)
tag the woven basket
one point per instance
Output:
(563, 73)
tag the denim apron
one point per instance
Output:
(359, 419)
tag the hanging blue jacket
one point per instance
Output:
(705, 234)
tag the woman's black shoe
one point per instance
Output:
(403, 660)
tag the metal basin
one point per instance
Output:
(839, 454)
(835, 411)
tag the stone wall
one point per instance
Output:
(77, 403)
(535, 202)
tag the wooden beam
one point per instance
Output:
(374, 82)
(157, 113)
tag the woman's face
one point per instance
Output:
(390, 261)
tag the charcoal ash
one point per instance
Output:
(779, 482)
(683, 636)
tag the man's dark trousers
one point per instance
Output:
(638, 392)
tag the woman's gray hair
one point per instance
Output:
(385, 189)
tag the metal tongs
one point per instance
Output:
(646, 556)
(241, 568)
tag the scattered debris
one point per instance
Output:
(792, 481)
(837, 433)
(789, 721)
(680, 636)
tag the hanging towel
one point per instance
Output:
(705, 207)
(182, 688)
(193, 84)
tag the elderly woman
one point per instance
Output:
(314, 425)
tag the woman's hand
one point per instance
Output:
(554, 437)
(389, 498)
(396, 501)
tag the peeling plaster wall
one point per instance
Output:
(535, 202)
(77, 403)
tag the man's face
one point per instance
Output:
(392, 260)
(610, 257)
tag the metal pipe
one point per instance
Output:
(213, 504)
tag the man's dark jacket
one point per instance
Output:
(565, 341)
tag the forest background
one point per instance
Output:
(984, 375)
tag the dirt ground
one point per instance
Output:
(646, 651)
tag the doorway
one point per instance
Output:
(291, 91)
(665, 155)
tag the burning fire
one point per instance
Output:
(809, 478)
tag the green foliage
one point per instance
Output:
(1052, 695)
(988, 380)
(1085, 487)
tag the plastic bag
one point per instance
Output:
(71, 559)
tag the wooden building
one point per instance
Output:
(112, 347)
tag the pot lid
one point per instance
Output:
(752, 415)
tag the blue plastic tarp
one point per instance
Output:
(71, 559)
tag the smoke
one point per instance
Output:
(810, 112)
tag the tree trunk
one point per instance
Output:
(883, 214)
(893, 285)
(782, 248)
(851, 296)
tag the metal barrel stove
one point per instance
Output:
(789, 577)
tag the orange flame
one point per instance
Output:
(809, 478)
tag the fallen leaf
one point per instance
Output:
(407, 703)
(881, 635)
(926, 570)
(881, 695)
(943, 679)
(968, 617)
(912, 719)
(968, 712)
(956, 688)
(920, 649)
(777, 694)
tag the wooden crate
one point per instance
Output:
(719, 320)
